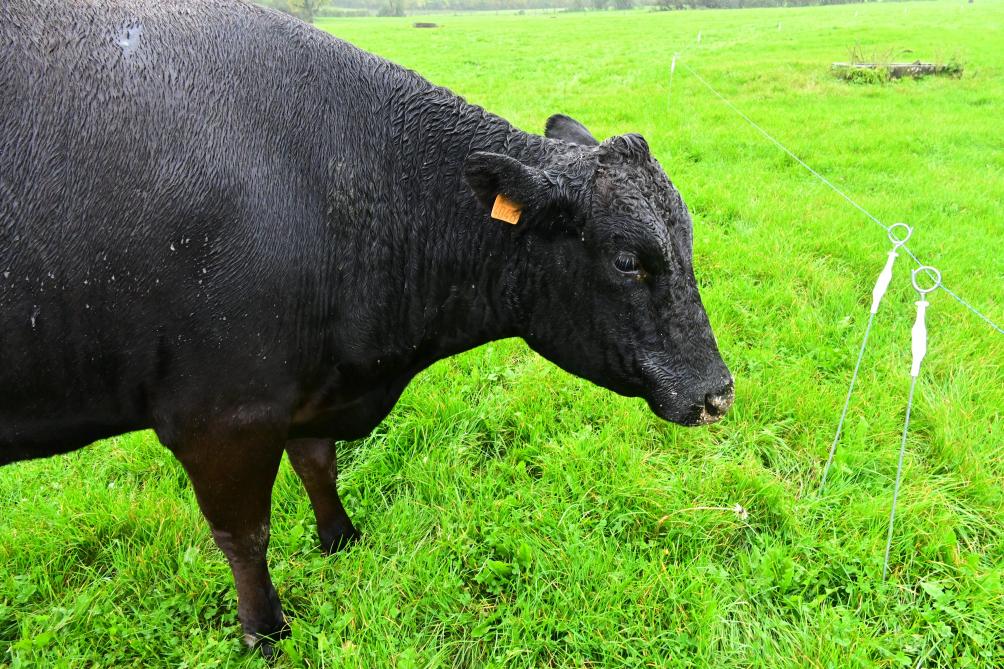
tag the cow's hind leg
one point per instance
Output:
(232, 472)
(315, 463)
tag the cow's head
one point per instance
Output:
(607, 288)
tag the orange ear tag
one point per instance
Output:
(506, 210)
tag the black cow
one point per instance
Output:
(222, 224)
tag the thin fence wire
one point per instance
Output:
(878, 292)
(828, 183)
(921, 267)
(847, 401)
(899, 479)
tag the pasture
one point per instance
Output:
(514, 516)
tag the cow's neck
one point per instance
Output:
(462, 270)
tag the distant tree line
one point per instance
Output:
(311, 9)
(739, 4)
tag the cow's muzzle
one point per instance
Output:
(695, 403)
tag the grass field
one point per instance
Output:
(515, 516)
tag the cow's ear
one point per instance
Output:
(503, 184)
(568, 130)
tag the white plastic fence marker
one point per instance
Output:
(919, 334)
(881, 285)
(885, 277)
(672, 71)
(919, 348)
(698, 36)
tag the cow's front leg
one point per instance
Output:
(232, 472)
(315, 462)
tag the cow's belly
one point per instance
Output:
(57, 395)
(346, 421)
(61, 395)
(26, 437)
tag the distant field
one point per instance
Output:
(515, 516)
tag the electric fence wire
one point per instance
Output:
(899, 479)
(919, 329)
(831, 185)
(881, 285)
(918, 348)
(847, 402)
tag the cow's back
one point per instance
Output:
(154, 190)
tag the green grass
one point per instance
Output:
(516, 516)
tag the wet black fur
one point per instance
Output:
(243, 211)
(216, 220)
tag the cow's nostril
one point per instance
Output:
(717, 404)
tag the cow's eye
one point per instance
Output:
(627, 263)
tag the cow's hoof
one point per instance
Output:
(267, 651)
(265, 638)
(340, 539)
